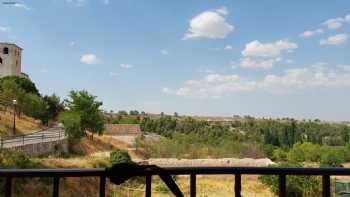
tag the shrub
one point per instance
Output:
(120, 156)
(304, 152)
(331, 158)
(279, 154)
(295, 185)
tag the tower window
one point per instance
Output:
(6, 50)
(0, 60)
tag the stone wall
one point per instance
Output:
(43, 148)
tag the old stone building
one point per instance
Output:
(10, 60)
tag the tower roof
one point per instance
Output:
(8, 43)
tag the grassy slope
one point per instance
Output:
(24, 124)
(95, 154)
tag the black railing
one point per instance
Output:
(119, 175)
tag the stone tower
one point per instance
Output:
(10, 60)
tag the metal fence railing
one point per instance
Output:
(37, 137)
(120, 174)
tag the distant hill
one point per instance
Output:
(24, 124)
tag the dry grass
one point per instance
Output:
(24, 124)
(93, 153)
(213, 186)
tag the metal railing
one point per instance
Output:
(37, 137)
(119, 175)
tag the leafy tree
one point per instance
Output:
(34, 106)
(84, 104)
(123, 113)
(55, 106)
(9, 91)
(72, 124)
(24, 83)
(345, 134)
(134, 113)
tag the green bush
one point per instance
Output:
(296, 186)
(332, 157)
(120, 156)
(304, 152)
(279, 154)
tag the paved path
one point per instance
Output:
(49, 135)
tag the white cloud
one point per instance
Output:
(21, 6)
(164, 52)
(258, 49)
(334, 40)
(126, 66)
(228, 47)
(258, 63)
(209, 24)
(217, 85)
(334, 23)
(222, 10)
(308, 34)
(347, 18)
(90, 59)
(257, 55)
(5, 29)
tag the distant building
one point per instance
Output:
(10, 60)
(122, 129)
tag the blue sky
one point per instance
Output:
(204, 57)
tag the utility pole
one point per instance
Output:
(14, 102)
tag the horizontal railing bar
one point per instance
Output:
(76, 172)
(57, 172)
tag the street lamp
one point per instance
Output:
(14, 102)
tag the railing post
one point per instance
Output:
(148, 185)
(282, 185)
(8, 186)
(56, 186)
(326, 186)
(2, 143)
(22, 139)
(102, 186)
(42, 137)
(238, 185)
(193, 185)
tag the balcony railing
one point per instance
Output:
(122, 173)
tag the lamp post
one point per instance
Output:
(14, 102)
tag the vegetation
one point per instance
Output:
(295, 185)
(120, 156)
(83, 115)
(29, 100)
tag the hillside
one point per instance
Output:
(24, 124)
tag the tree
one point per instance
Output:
(72, 124)
(345, 134)
(34, 106)
(55, 106)
(9, 91)
(83, 103)
(134, 113)
(24, 83)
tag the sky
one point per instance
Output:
(196, 57)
